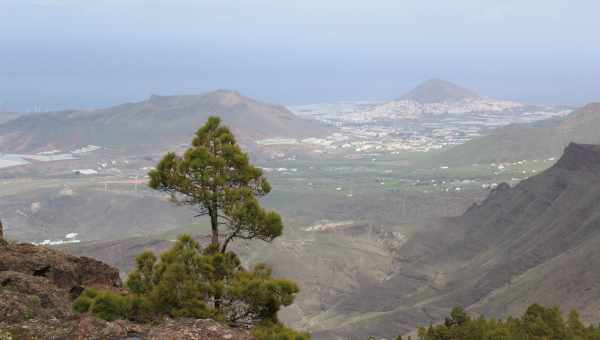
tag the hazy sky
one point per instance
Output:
(88, 53)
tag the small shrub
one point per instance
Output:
(82, 304)
(28, 314)
(140, 309)
(110, 306)
(90, 293)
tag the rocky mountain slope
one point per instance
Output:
(535, 242)
(439, 91)
(37, 286)
(162, 121)
(529, 141)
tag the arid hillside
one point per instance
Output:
(160, 121)
(536, 140)
(535, 242)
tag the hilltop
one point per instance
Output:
(439, 91)
(536, 242)
(529, 141)
(162, 121)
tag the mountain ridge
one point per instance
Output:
(168, 119)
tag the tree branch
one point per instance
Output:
(230, 237)
(203, 213)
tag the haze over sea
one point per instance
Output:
(68, 53)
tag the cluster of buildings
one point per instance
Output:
(407, 125)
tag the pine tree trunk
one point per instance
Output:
(218, 299)
(215, 231)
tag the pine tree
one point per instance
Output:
(215, 176)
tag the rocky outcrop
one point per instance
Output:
(67, 272)
(582, 157)
(24, 297)
(40, 283)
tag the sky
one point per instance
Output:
(57, 54)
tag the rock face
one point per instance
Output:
(37, 282)
(67, 272)
(581, 157)
(38, 285)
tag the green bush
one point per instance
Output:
(90, 293)
(189, 282)
(255, 296)
(82, 304)
(110, 306)
(140, 309)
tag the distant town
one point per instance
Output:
(407, 125)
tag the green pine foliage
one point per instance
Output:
(191, 282)
(111, 306)
(188, 281)
(82, 304)
(256, 296)
(538, 323)
(215, 176)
